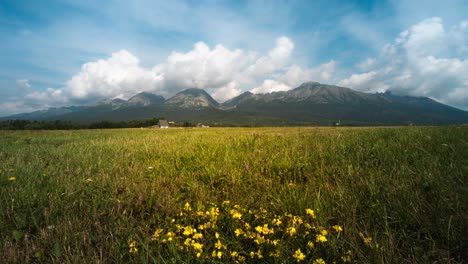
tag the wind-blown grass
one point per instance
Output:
(399, 194)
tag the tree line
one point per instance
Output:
(68, 125)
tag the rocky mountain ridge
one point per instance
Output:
(311, 103)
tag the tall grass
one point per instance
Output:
(400, 194)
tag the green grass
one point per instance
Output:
(83, 196)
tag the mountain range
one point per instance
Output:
(311, 103)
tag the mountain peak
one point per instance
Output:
(192, 97)
(145, 99)
(113, 103)
(310, 103)
(309, 84)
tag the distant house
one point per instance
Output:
(171, 123)
(202, 125)
(337, 123)
(163, 124)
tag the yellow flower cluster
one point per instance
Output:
(10, 177)
(132, 247)
(232, 233)
(299, 256)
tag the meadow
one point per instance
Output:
(272, 195)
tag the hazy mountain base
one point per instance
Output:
(309, 104)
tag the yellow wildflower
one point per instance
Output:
(198, 254)
(297, 220)
(319, 261)
(264, 229)
(252, 254)
(187, 241)
(235, 214)
(218, 244)
(298, 255)
(259, 254)
(87, 180)
(187, 207)
(310, 212)
(132, 247)
(291, 231)
(226, 202)
(346, 259)
(310, 244)
(337, 228)
(367, 240)
(321, 238)
(238, 232)
(200, 213)
(188, 230)
(214, 213)
(216, 235)
(274, 254)
(197, 246)
(259, 239)
(234, 254)
(324, 232)
(156, 234)
(170, 235)
(218, 254)
(197, 236)
(11, 178)
(276, 222)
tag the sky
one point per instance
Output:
(75, 52)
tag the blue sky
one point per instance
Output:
(56, 53)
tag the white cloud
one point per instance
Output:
(366, 64)
(222, 72)
(23, 84)
(277, 58)
(366, 82)
(226, 92)
(294, 75)
(120, 74)
(425, 60)
(269, 86)
(15, 108)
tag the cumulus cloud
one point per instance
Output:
(269, 86)
(294, 75)
(223, 72)
(277, 58)
(425, 60)
(23, 84)
(15, 107)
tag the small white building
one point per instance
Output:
(163, 124)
